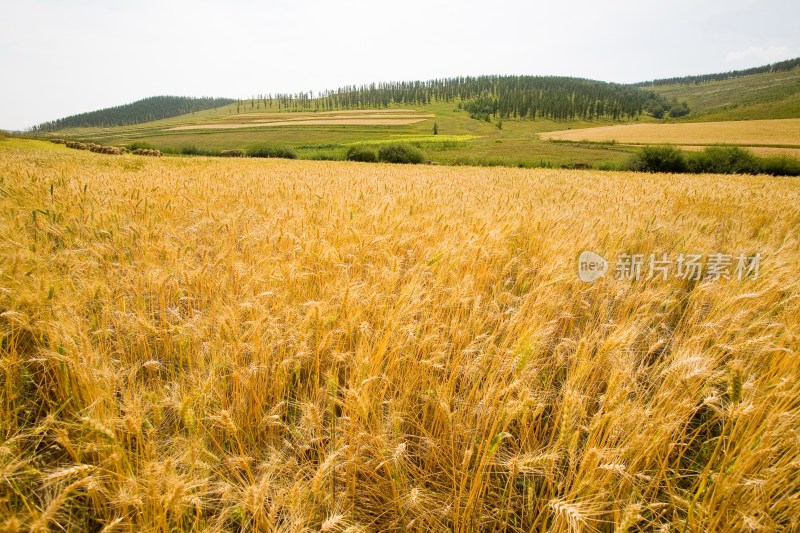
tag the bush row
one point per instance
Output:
(389, 153)
(719, 159)
(272, 151)
(253, 151)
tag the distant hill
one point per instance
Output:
(145, 110)
(482, 97)
(765, 95)
(765, 92)
(781, 66)
(468, 120)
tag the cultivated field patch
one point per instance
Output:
(194, 344)
(333, 118)
(783, 132)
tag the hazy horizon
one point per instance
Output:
(62, 60)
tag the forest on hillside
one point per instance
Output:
(535, 97)
(145, 110)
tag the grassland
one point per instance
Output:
(266, 345)
(762, 96)
(468, 141)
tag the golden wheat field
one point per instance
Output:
(781, 132)
(194, 344)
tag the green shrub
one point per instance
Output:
(196, 150)
(575, 165)
(717, 159)
(658, 159)
(232, 153)
(361, 153)
(140, 145)
(400, 153)
(721, 159)
(272, 151)
(679, 110)
(780, 165)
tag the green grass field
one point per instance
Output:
(461, 139)
(762, 96)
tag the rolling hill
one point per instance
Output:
(768, 95)
(145, 110)
(485, 120)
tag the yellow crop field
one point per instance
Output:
(360, 117)
(210, 344)
(785, 132)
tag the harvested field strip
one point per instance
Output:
(346, 117)
(305, 122)
(282, 114)
(785, 132)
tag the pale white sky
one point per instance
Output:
(60, 57)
